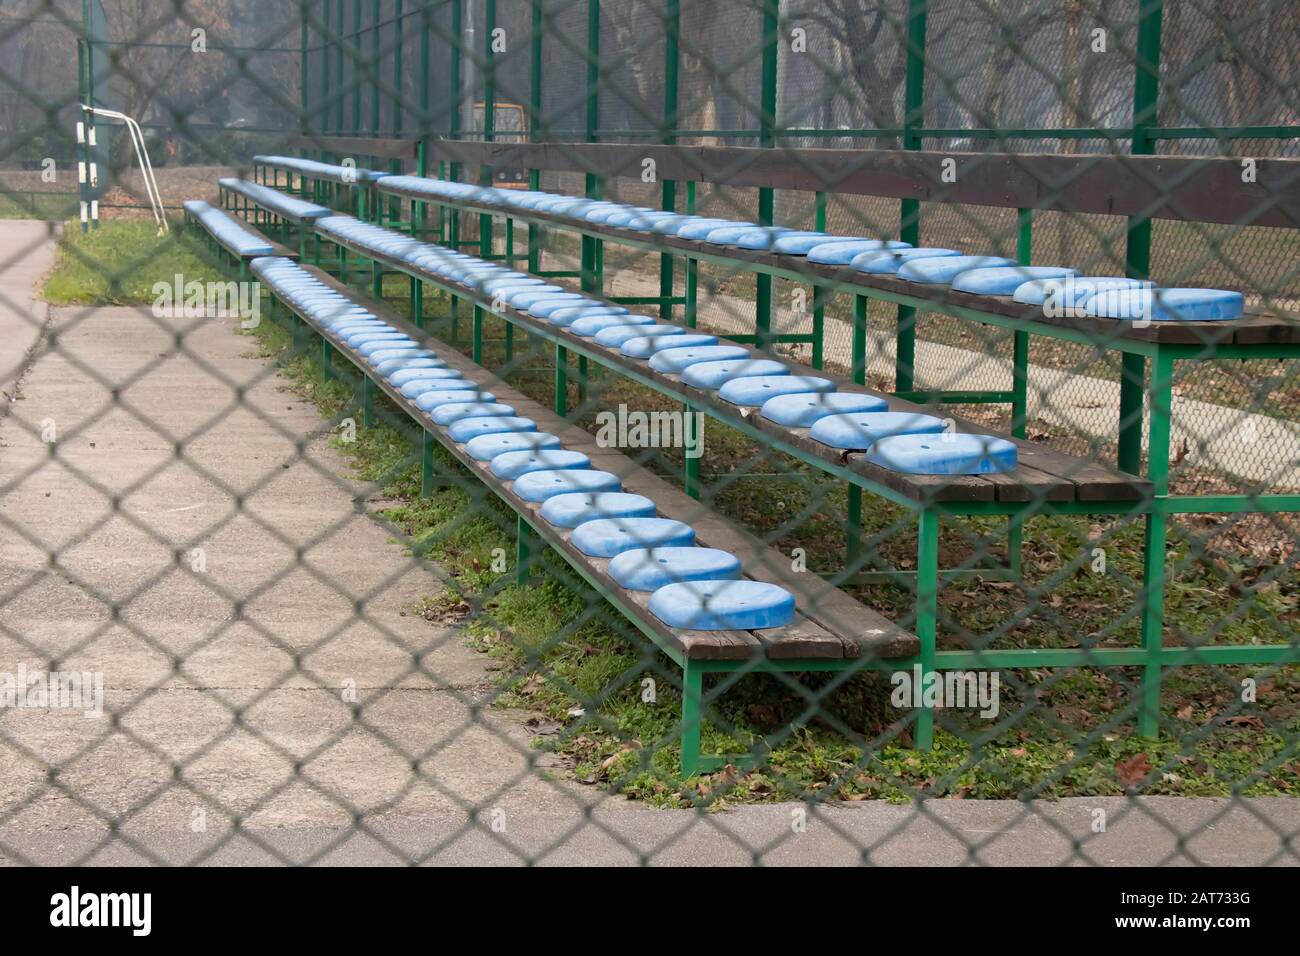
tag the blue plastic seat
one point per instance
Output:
(418, 386)
(537, 486)
(1004, 280)
(377, 359)
(729, 234)
(606, 537)
(712, 375)
(949, 454)
(456, 411)
(590, 325)
(542, 308)
(388, 366)
(676, 359)
(700, 227)
(524, 300)
(858, 431)
(941, 270)
(428, 401)
(739, 605)
(623, 216)
(762, 238)
(512, 464)
(465, 429)
(888, 261)
(578, 507)
(801, 410)
(840, 253)
(615, 335)
(1167, 305)
(798, 242)
(1073, 292)
(571, 314)
(404, 375)
(757, 389)
(649, 569)
(644, 346)
(487, 447)
(669, 225)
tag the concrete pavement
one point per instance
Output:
(26, 252)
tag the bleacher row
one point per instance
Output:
(232, 234)
(1113, 297)
(693, 588)
(853, 421)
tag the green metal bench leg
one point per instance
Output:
(510, 343)
(326, 364)
(417, 302)
(1131, 383)
(692, 292)
(561, 380)
(853, 531)
(1019, 383)
(367, 401)
(476, 336)
(428, 480)
(692, 716)
(1154, 558)
(528, 548)
(376, 280)
(691, 468)
(927, 615)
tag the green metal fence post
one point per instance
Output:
(668, 135)
(910, 209)
(456, 102)
(592, 280)
(535, 104)
(338, 69)
(927, 614)
(767, 139)
(489, 121)
(356, 68)
(819, 292)
(1146, 103)
(1154, 573)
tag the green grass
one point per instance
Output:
(118, 263)
(564, 654)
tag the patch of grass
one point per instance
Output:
(118, 264)
(47, 206)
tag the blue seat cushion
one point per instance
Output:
(404, 375)
(389, 366)
(593, 324)
(377, 359)
(797, 242)
(858, 431)
(466, 428)
(728, 235)
(525, 300)
(487, 447)
(700, 227)
(571, 314)
(950, 454)
(739, 605)
(578, 507)
(606, 537)
(647, 345)
(649, 569)
(427, 401)
(1004, 280)
(515, 463)
(757, 389)
(842, 252)
(456, 411)
(800, 411)
(941, 270)
(1167, 305)
(675, 358)
(541, 485)
(615, 335)
(712, 375)
(762, 237)
(544, 307)
(417, 387)
(1072, 292)
(366, 349)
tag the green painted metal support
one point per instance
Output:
(1137, 253)
(427, 473)
(528, 548)
(489, 119)
(367, 401)
(767, 138)
(668, 136)
(927, 614)
(692, 716)
(561, 380)
(1154, 571)
(910, 210)
(476, 336)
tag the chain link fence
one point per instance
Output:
(246, 598)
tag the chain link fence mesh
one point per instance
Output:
(298, 613)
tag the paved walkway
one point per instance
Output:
(26, 252)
